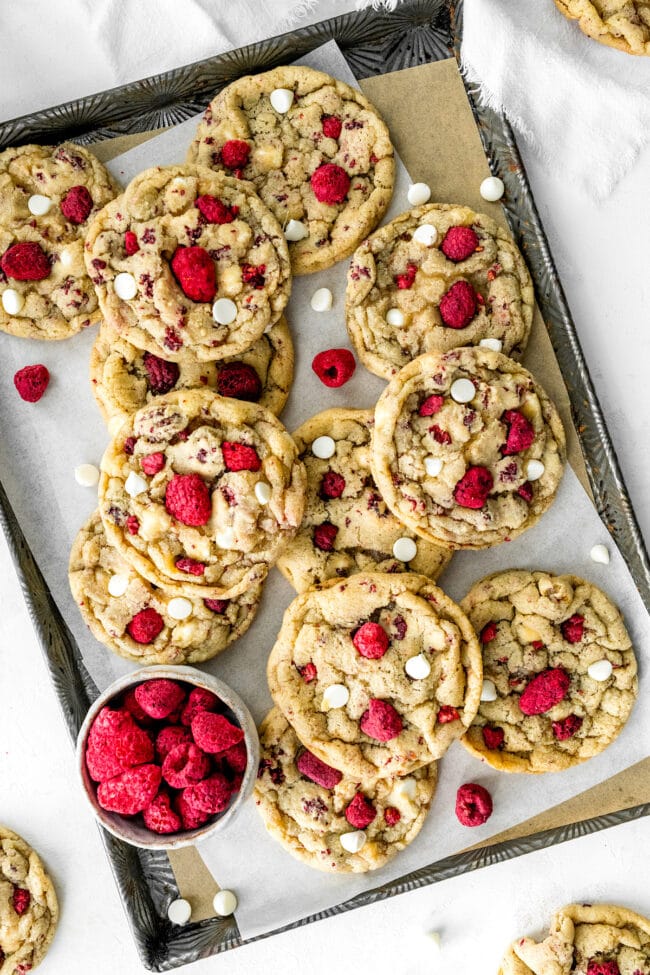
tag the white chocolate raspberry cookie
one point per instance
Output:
(433, 279)
(189, 260)
(327, 820)
(200, 492)
(624, 24)
(468, 450)
(377, 674)
(316, 150)
(29, 910)
(559, 671)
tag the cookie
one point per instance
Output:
(29, 910)
(436, 278)
(315, 149)
(200, 492)
(48, 196)
(347, 527)
(326, 820)
(189, 260)
(114, 601)
(468, 450)
(124, 378)
(559, 668)
(585, 939)
(624, 24)
(377, 674)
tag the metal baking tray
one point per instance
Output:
(373, 42)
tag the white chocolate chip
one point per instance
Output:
(488, 691)
(407, 788)
(433, 938)
(12, 301)
(39, 205)
(492, 189)
(125, 286)
(418, 193)
(321, 300)
(601, 670)
(179, 911)
(323, 448)
(263, 492)
(224, 903)
(495, 344)
(354, 841)
(336, 696)
(425, 234)
(179, 608)
(66, 258)
(433, 466)
(135, 485)
(115, 423)
(418, 667)
(534, 470)
(395, 317)
(463, 390)
(117, 585)
(225, 538)
(405, 549)
(600, 553)
(224, 311)
(86, 474)
(281, 99)
(295, 230)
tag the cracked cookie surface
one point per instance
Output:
(28, 905)
(624, 24)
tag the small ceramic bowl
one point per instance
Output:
(133, 830)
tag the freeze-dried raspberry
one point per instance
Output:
(115, 743)
(473, 488)
(145, 625)
(235, 759)
(214, 733)
(371, 640)
(489, 632)
(240, 457)
(130, 792)
(200, 699)
(521, 433)
(526, 491)
(431, 405)
(493, 737)
(131, 245)
(217, 605)
(133, 746)
(159, 697)
(360, 812)
(25, 261)
(331, 126)
(188, 500)
(194, 270)
(20, 900)
(325, 536)
(239, 380)
(406, 281)
(447, 714)
(152, 463)
(253, 275)
(312, 768)
(544, 691)
(132, 525)
(185, 765)
(330, 183)
(77, 204)
(334, 367)
(31, 382)
(392, 815)
(473, 804)
(308, 673)
(129, 445)
(458, 305)
(573, 628)
(130, 702)
(596, 967)
(567, 727)
(162, 375)
(191, 566)
(160, 817)
(440, 435)
(459, 243)
(381, 721)
(235, 153)
(191, 817)
(169, 738)
(211, 795)
(214, 210)
(332, 485)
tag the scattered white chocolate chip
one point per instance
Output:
(281, 99)
(407, 788)
(433, 466)
(600, 670)
(495, 344)
(179, 911)
(336, 696)
(179, 608)
(39, 205)
(418, 193)
(600, 553)
(323, 448)
(488, 691)
(295, 230)
(224, 311)
(86, 474)
(405, 549)
(418, 667)
(263, 492)
(425, 234)
(117, 585)
(225, 538)
(135, 485)
(534, 470)
(321, 300)
(12, 301)
(353, 842)
(463, 390)
(65, 257)
(434, 939)
(492, 189)
(115, 423)
(395, 317)
(125, 286)
(224, 903)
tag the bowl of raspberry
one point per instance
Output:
(167, 756)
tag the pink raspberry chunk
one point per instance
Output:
(185, 765)
(312, 768)
(361, 812)
(473, 488)
(199, 699)
(169, 738)
(459, 243)
(31, 382)
(211, 795)
(521, 433)
(330, 183)
(371, 640)
(160, 697)
(545, 691)
(188, 500)
(213, 733)
(573, 628)
(458, 306)
(160, 817)
(131, 792)
(473, 804)
(567, 727)
(381, 721)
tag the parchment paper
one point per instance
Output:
(42, 444)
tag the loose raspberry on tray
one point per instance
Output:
(31, 382)
(334, 367)
(473, 804)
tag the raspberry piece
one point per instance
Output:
(214, 210)
(130, 792)
(567, 727)
(526, 491)
(332, 126)
(334, 367)
(145, 626)
(458, 305)
(392, 815)
(330, 183)
(381, 721)
(162, 375)
(191, 817)
(325, 536)
(431, 405)
(217, 605)
(235, 153)
(115, 743)
(371, 640)
(160, 697)
(77, 204)
(152, 463)
(545, 691)
(489, 632)
(239, 380)
(473, 804)
(446, 714)
(26, 261)
(459, 243)
(169, 738)
(473, 488)
(211, 795)
(361, 812)
(308, 672)
(188, 500)
(573, 628)
(191, 566)
(312, 768)
(160, 817)
(130, 702)
(184, 765)
(199, 699)
(332, 485)
(250, 274)
(213, 733)
(194, 270)
(521, 433)
(240, 457)
(405, 281)
(131, 245)
(132, 525)
(31, 382)
(440, 435)
(493, 737)
(133, 746)
(20, 900)
(596, 967)
(235, 758)
(129, 445)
